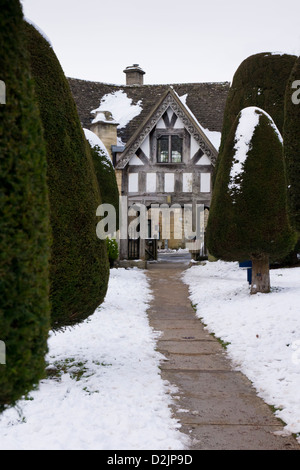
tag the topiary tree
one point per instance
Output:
(248, 216)
(24, 218)
(291, 138)
(79, 268)
(260, 81)
(105, 172)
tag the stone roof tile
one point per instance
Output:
(205, 100)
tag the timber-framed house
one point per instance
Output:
(164, 151)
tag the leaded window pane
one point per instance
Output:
(163, 149)
(176, 149)
(169, 149)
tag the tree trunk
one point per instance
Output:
(260, 275)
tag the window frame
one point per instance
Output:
(169, 135)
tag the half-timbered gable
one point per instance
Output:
(169, 158)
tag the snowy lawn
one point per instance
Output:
(104, 389)
(263, 330)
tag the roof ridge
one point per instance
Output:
(149, 84)
(206, 101)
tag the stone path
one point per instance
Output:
(217, 406)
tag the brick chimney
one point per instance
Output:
(134, 75)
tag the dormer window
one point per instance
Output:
(169, 149)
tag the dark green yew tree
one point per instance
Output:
(79, 268)
(24, 218)
(248, 216)
(291, 136)
(260, 81)
(105, 173)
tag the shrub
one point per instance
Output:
(112, 250)
(260, 81)
(105, 173)
(79, 268)
(24, 218)
(291, 137)
(248, 217)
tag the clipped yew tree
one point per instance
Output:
(260, 81)
(79, 267)
(248, 217)
(291, 137)
(24, 219)
(105, 172)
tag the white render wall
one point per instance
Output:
(204, 160)
(187, 182)
(135, 161)
(133, 182)
(169, 182)
(151, 183)
(205, 182)
(194, 147)
(146, 146)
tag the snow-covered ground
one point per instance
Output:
(106, 391)
(263, 330)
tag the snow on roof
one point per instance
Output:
(205, 100)
(104, 116)
(213, 136)
(249, 119)
(120, 106)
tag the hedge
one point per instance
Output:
(249, 218)
(24, 218)
(79, 268)
(260, 81)
(291, 135)
(105, 173)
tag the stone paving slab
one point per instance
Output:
(218, 384)
(189, 345)
(216, 405)
(176, 324)
(194, 362)
(228, 437)
(187, 333)
(229, 405)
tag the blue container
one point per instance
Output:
(247, 265)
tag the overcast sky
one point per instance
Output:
(173, 41)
